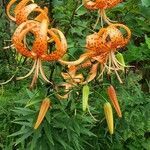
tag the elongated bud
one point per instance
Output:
(85, 96)
(109, 117)
(113, 97)
(65, 57)
(121, 61)
(43, 110)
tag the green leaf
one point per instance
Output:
(30, 94)
(25, 136)
(61, 141)
(22, 131)
(36, 135)
(30, 103)
(81, 11)
(28, 124)
(147, 39)
(48, 133)
(87, 132)
(23, 111)
(146, 3)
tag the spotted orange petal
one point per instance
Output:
(100, 4)
(42, 15)
(22, 15)
(61, 45)
(18, 7)
(19, 35)
(40, 44)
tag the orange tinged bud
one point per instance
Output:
(43, 110)
(113, 97)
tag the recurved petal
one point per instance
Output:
(58, 53)
(42, 15)
(21, 5)
(8, 7)
(62, 39)
(23, 14)
(40, 43)
(19, 35)
(76, 62)
(92, 74)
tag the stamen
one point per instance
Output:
(8, 80)
(103, 14)
(102, 23)
(114, 62)
(35, 77)
(117, 75)
(7, 47)
(43, 74)
(30, 72)
(101, 74)
(109, 20)
(97, 20)
(109, 63)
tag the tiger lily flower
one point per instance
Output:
(18, 7)
(23, 14)
(73, 79)
(101, 47)
(101, 6)
(38, 27)
(39, 51)
(115, 39)
(23, 9)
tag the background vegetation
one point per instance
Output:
(66, 126)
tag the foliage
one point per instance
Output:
(66, 126)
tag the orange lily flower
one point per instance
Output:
(23, 9)
(101, 5)
(101, 47)
(38, 27)
(18, 7)
(38, 52)
(72, 79)
(114, 39)
(23, 14)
